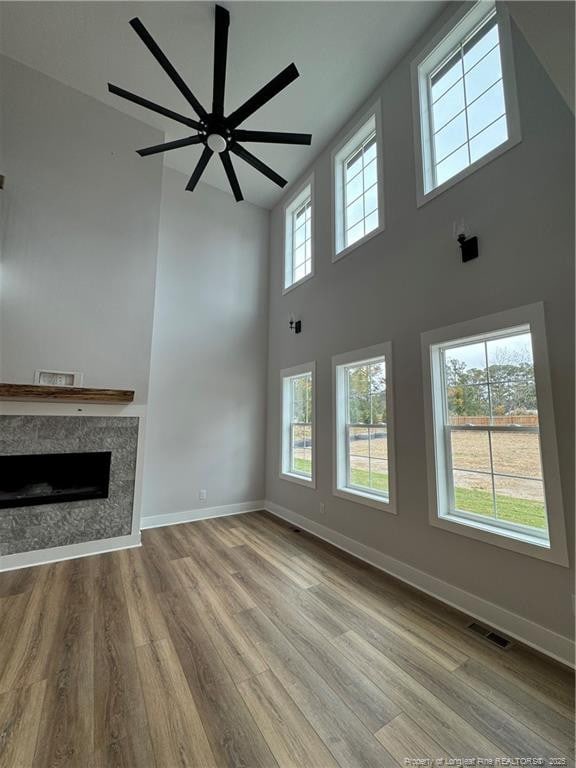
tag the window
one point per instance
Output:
(298, 264)
(358, 186)
(364, 460)
(467, 109)
(489, 420)
(297, 450)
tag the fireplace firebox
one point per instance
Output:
(51, 478)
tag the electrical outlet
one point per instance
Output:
(322, 508)
(202, 495)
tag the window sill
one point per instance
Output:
(366, 499)
(345, 251)
(532, 546)
(425, 197)
(297, 283)
(299, 479)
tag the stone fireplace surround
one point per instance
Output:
(42, 533)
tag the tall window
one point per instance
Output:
(360, 191)
(364, 459)
(357, 186)
(463, 96)
(486, 410)
(298, 247)
(298, 424)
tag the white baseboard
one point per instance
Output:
(546, 641)
(68, 552)
(204, 513)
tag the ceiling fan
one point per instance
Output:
(217, 132)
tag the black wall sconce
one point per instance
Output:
(468, 245)
(295, 325)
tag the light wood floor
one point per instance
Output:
(241, 642)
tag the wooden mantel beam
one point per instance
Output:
(65, 394)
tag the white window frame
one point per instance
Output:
(370, 122)
(439, 498)
(340, 472)
(304, 191)
(459, 25)
(285, 402)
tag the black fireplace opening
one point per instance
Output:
(49, 478)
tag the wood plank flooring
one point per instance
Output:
(242, 642)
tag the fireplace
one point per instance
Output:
(48, 478)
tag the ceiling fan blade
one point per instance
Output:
(273, 137)
(258, 164)
(154, 107)
(232, 178)
(220, 54)
(199, 170)
(167, 66)
(170, 145)
(264, 95)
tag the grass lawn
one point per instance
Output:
(361, 478)
(302, 465)
(521, 511)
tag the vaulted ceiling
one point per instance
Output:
(342, 50)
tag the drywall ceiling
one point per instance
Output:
(342, 50)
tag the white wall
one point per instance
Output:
(410, 279)
(80, 234)
(81, 240)
(208, 376)
(2, 208)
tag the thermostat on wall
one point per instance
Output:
(58, 378)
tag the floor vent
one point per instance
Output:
(489, 635)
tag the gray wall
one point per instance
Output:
(208, 376)
(80, 235)
(549, 29)
(410, 279)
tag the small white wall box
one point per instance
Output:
(58, 378)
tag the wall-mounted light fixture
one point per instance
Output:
(295, 325)
(468, 245)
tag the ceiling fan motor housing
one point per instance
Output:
(216, 142)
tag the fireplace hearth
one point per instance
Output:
(48, 478)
